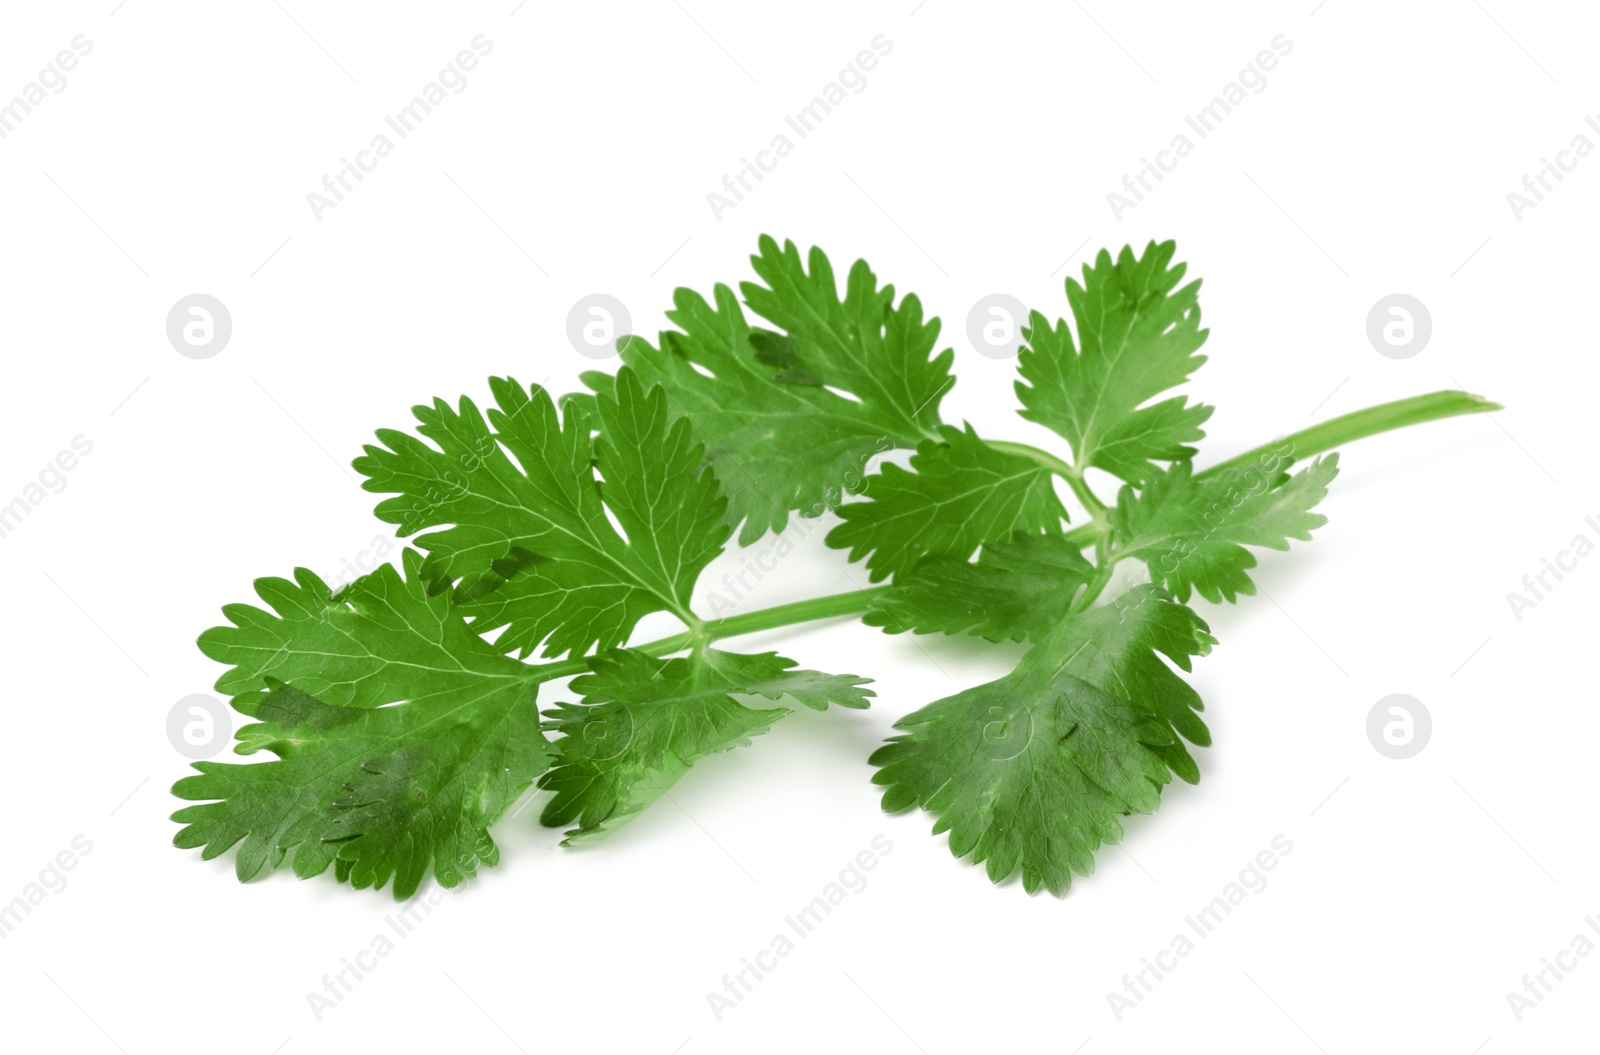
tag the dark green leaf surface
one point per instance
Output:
(1138, 335)
(527, 542)
(767, 404)
(958, 494)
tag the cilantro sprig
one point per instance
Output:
(402, 711)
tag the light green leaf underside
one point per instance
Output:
(1031, 772)
(1020, 589)
(644, 721)
(419, 736)
(1191, 533)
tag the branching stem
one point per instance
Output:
(1307, 443)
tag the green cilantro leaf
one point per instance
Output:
(644, 721)
(401, 726)
(1030, 772)
(767, 405)
(527, 542)
(1020, 589)
(958, 494)
(1191, 532)
(420, 735)
(864, 344)
(1138, 334)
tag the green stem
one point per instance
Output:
(1347, 428)
(852, 603)
(1102, 577)
(1086, 497)
(1034, 454)
(837, 604)
(1306, 443)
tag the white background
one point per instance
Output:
(978, 158)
